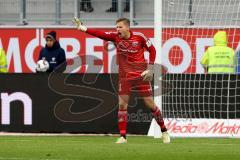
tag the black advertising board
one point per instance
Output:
(74, 103)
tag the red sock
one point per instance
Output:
(122, 122)
(158, 117)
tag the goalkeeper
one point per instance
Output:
(134, 73)
(219, 58)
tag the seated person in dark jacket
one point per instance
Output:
(53, 53)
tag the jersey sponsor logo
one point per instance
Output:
(135, 44)
(123, 44)
(128, 46)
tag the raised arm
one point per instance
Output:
(108, 36)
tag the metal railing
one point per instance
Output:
(141, 12)
(24, 12)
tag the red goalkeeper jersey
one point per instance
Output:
(130, 52)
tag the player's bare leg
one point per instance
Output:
(149, 102)
(122, 118)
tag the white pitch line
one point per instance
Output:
(16, 158)
(211, 144)
(12, 158)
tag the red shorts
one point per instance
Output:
(143, 88)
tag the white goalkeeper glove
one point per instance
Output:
(79, 24)
(148, 73)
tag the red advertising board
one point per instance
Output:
(182, 48)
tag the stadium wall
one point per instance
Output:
(22, 45)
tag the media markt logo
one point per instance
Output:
(202, 127)
(221, 127)
(224, 128)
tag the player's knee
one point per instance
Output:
(123, 105)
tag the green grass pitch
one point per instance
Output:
(104, 148)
